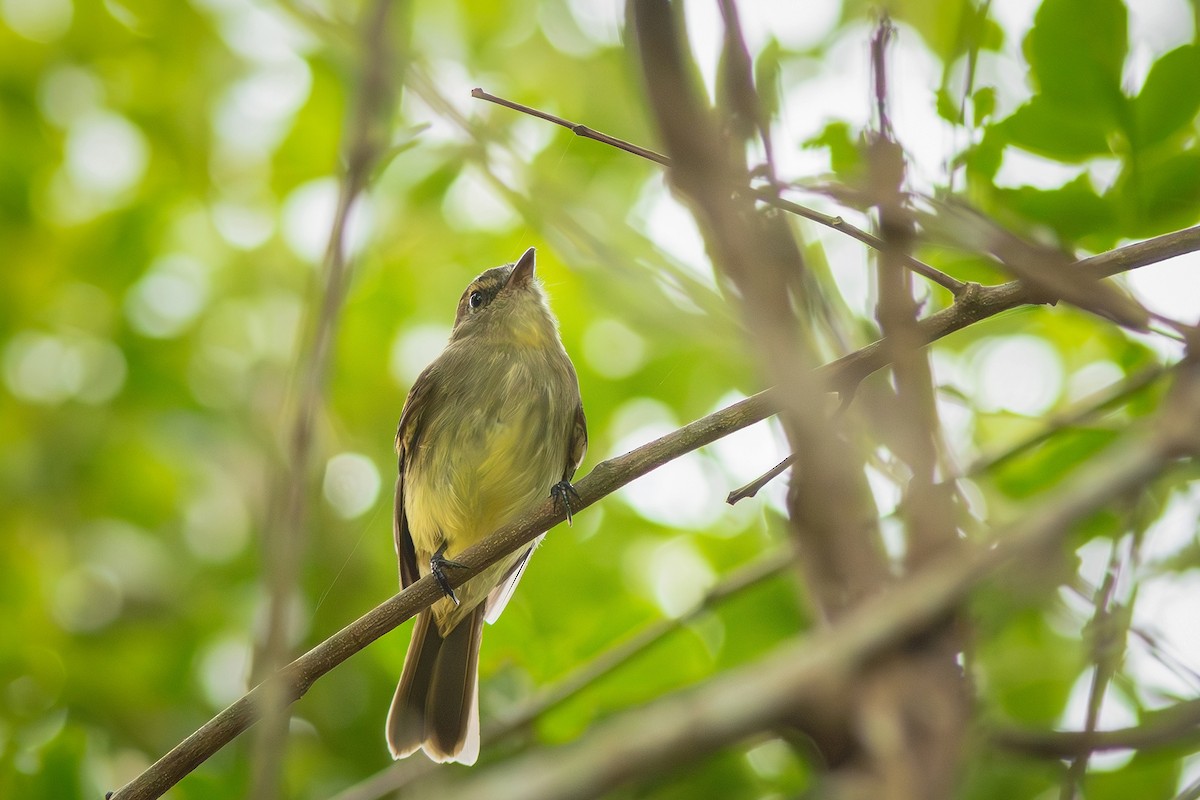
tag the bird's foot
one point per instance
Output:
(562, 492)
(437, 565)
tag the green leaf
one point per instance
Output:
(1049, 128)
(844, 154)
(1077, 50)
(766, 78)
(938, 23)
(1170, 97)
(950, 28)
(1033, 696)
(1043, 467)
(991, 35)
(1163, 195)
(947, 106)
(983, 103)
(994, 777)
(1147, 777)
(1074, 211)
(984, 159)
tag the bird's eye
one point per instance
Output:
(476, 299)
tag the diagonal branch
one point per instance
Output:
(804, 683)
(1087, 409)
(1141, 254)
(397, 776)
(976, 304)
(298, 677)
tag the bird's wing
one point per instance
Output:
(408, 433)
(577, 446)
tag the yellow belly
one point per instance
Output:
(476, 469)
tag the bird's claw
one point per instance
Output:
(437, 565)
(562, 492)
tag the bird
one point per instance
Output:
(493, 425)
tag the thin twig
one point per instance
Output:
(768, 196)
(577, 129)
(885, 32)
(755, 486)
(838, 223)
(1140, 254)
(1170, 727)
(1159, 652)
(601, 249)
(1103, 670)
(1076, 415)
(1081, 412)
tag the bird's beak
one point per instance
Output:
(522, 274)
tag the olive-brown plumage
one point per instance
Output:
(488, 429)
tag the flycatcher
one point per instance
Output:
(492, 426)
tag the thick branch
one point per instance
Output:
(976, 304)
(299, 676)
(805, 681)
(831, 511)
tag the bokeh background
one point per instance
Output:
(168, 176)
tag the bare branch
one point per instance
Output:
(976, 304)
(1039, 266)
(1083, 411)
(755, 486)
(575, 128)
(948, 282)
(927, 508)
(296, 678)
(768, 196)
(913, 706)
(398, 776)
(831, 510)
(1105, 666)
(1141, 254)
(803, 683)
(1171, 727)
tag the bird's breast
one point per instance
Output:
(492, 448)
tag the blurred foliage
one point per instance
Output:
(166, 185)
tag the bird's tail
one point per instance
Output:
(436, 707)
